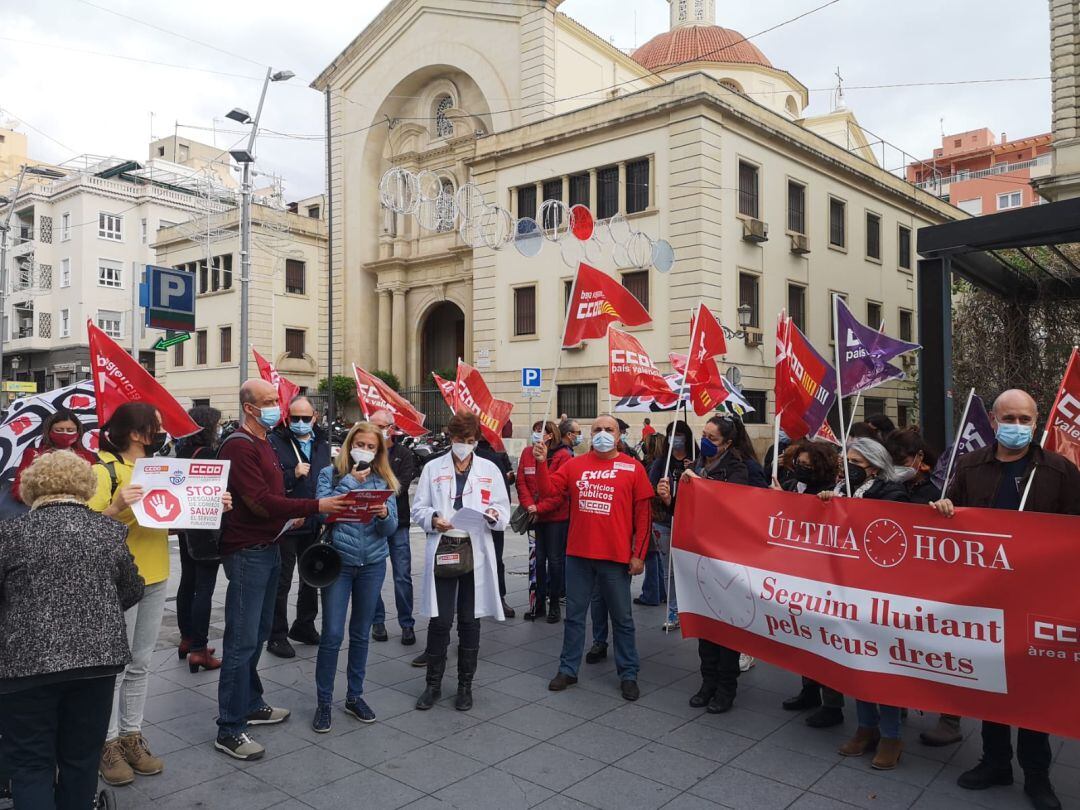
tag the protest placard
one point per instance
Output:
(180, 493)
(362, 506)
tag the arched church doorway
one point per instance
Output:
(442, 341)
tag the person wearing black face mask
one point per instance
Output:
(302, 448)
(719, 461)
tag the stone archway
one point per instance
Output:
(442, 339)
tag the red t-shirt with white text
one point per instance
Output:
(604, 496)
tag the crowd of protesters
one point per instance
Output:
(83, 585)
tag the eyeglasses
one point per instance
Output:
(296, 419)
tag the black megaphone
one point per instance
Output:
(319, 565)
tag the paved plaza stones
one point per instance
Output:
(523, 746)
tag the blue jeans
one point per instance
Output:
(611, 580)
(654, 587)
(884, 718)
(598, 614)
(249, 615)
(550, 559)
(401, 561)
(359, 584)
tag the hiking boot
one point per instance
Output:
(114, 768)
(1041, 792)
(865, 739)
(596, 653)
(239, 746)
(701, 699)
(138, 756)
(984, 775)
(808, 698)
(433, 691)
(888, 754)
(826, 717)
(267, 716)
(946, 732)
(561, 681)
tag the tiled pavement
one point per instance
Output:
(522, 746)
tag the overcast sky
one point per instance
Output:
(89, 103)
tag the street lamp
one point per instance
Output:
(246, 157)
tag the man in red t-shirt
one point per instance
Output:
(610, 519)
(648, 430)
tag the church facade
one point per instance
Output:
(696, 138)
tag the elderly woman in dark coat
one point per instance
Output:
(66, 578)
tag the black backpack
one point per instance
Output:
(204, 544)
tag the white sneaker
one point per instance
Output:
(746, 661)
(672, 622)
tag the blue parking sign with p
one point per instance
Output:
(170, 298)
(530, 378)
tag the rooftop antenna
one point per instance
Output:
(942, 126)
(838, 93)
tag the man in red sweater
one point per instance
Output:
(252, 560)
(610, 519)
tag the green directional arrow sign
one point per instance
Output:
(171, 339)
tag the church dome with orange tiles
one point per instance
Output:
(698, 43)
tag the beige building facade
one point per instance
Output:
(696, 138)
(288, 265)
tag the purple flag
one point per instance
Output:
(974, 433)
(865, 353)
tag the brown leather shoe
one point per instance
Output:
(508, 611)
(946, 732)
(888, 754)
(202, 658)
(114, 769)
(865, 739)
(138, 756)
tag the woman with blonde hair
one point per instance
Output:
(66, 578)
(362, 464)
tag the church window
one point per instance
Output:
(444, 127)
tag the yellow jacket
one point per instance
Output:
(149, 547)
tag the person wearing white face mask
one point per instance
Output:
(303, 448)
(460, 573)
(996, 477)
(364, 548)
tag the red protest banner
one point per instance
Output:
(974, 615)
(472, 394)
(361, 506)
(702, 374)
(1063, 424)
(118, 378)
(374, 395)
(286, 388)
(599, 301)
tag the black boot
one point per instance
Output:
(466, 668)
(809, 697)
(704, 695)
(538, 612)
(435, 669)
(553, 612)
(1040, 792)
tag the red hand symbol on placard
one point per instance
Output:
(162, 506)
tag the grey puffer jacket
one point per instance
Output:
(66, 578)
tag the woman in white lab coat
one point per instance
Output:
(459, 480)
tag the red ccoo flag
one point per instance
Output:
(597, 302)
(448, 390)
(118, 378)
(1063, 426)
(286, 388)
(472, 394)
(632, 373)
(702, 373)
(375, 395)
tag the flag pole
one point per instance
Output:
(1046, 430)
(682, 385)
(777, 412)
(558, 358)
(840, 391)
(956, 444)
(610, 404)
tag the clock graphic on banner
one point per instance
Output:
(885, 543)
(727, 590)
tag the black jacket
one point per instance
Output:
(289, 455)
(403, 463)
(1055, 490)
(729, 468)
(66, 578)
(756, 473)
(500, 460)
(923, 490)
(882, 490)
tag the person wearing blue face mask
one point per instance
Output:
(303, 448)
(996, 477)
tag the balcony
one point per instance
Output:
(940, 185)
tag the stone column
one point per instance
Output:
(384, 329)
(622, 188)
(400, 336)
